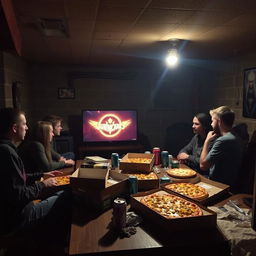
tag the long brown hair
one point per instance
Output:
(41, 134)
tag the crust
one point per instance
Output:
(175, 175)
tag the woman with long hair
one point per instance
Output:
(190, 154)
(37, 154)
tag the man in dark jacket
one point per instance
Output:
(17, 191)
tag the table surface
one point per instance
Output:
(90, 235)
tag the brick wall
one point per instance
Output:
(229, 87)
(13, 69)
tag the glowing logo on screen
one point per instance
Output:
(110, 125)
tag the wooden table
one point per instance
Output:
(90, 235)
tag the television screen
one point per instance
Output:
(109, 125)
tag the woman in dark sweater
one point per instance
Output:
(37, 154)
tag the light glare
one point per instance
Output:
(172, 58)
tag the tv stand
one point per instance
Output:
(107, 150)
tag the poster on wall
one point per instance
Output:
(249, 93)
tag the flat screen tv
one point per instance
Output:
(109, 125)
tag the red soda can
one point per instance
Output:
(119, 213)
(156, 152)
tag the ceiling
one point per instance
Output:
(132, 32)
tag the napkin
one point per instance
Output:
(237, 229)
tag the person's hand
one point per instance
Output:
(210, 136)
(70, 162)
(182, 156)
(52, 174)
(62, 159)
(50, 182)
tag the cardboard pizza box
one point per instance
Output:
(206, 221)
(99, 189)
(216, 190)
(142, 167)
(144, 184)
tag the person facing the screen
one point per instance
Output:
(57, 128)
(37, 155)
(17, 191)
(190, 154)
(225, 157)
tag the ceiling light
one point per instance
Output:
(172, 58)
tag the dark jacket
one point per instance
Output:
(15, 193)
(34, 158)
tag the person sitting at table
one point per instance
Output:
(18, 211)
(225, 157)
(57, 128)
(190, 154)
(37, 155)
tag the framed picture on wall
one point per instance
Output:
(249, 93)
(66, 93)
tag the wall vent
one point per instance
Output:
(53, 27)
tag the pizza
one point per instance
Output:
(171, 206)
(62, 180)
(181, 172)
(138, 160)
(143, 176)
(190, 190)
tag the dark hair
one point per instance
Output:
(205, 120)
(52, 119)
(8, 117)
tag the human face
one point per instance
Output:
(215, 124)
(20, 128)
(51, 134)
(57, 128)
(197, 126)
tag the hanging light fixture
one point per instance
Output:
(172, 58)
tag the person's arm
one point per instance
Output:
(43, 164)
(55, 156)
(205, 163)
(187, 150)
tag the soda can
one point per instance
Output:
(165, 179)
(114, 160)
(165, 159)
(133, 184)
(175, 164)
(156, 152)
(119, 213)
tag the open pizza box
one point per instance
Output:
(144, 184)
(216, 190)
(99, 187)
(207, 220)
(125, 165)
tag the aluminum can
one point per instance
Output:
(133, 184)
(170, 160)
(165, 159)
(156, 152)
(175, 164)
(114, 160)
(119, 213)
(165, 179)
